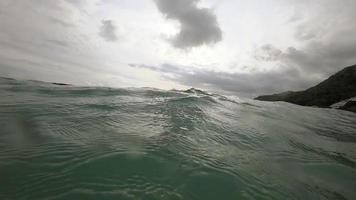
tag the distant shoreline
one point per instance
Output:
(337, 88)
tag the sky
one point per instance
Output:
(239, 47)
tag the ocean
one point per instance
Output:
(70, 142)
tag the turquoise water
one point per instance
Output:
(67, 142)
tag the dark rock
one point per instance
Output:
(61, 84)
(349, 106)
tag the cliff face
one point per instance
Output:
(338, 87)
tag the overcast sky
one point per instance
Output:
(243, 47)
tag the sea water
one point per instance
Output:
(68, 142)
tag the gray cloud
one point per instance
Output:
(316, 58)
(198, 26)
(61, 22)
(329, 40)
(58, 42)
(267, 52)
(42, 40)
(108, 31)
(243, 84)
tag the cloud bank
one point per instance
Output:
(198, 26)
(243, 84)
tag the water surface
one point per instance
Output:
(67, 142)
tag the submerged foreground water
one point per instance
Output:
(66, 142)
